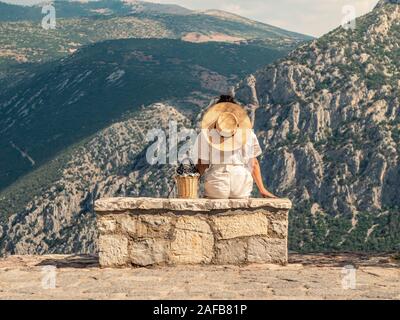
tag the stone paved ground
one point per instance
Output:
(306, 277)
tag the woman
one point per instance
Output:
(227, 151)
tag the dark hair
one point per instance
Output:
(226, 98)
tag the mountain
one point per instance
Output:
(329, 118)
(329, 123)
(23, 39)
(79, 9)
(69, 100)
(25, 45)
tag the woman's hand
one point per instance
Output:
(266, 194)
(256, 173)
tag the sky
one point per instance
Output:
(312, 17)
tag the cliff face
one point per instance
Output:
(60, 219)
(329, 118)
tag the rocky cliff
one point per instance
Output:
(60, 218)
(329, 118)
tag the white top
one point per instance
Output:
(209, 155)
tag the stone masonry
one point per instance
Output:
(146, 231)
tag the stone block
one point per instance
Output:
(113, 250)
(106, 224)
(149, 252)
(278, 227)
(231, 251)
(127, 223)
(154, 226)
(267, 250)
(193, 241)
(240, 225)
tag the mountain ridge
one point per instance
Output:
(233, 16)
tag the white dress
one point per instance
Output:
(229, 175)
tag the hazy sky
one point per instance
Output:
(313, 17)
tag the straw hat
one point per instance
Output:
(227, 126)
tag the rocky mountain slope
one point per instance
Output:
(71, 99)
(329, 118)
(59, 216)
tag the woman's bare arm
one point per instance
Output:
(256, 173)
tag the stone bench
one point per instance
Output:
(147, 231)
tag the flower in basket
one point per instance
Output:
(187, 170)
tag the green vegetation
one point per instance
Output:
(396, 134)
(34, 185)
(374, 231)
(375, 81)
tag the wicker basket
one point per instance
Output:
(187, 187)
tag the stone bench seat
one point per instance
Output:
(150, 231)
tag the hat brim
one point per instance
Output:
(226, 144)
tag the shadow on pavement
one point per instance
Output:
(74, 261)
(381, 260)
